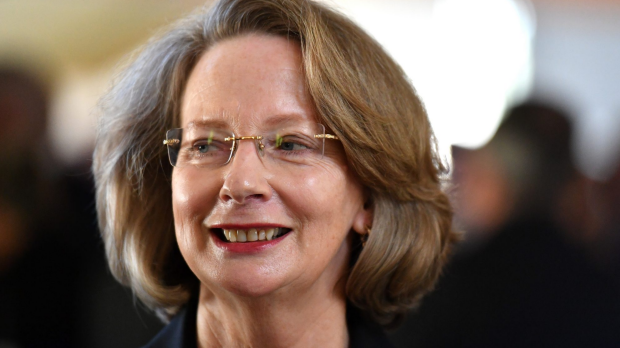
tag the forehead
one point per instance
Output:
(247, 81)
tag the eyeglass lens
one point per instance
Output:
(207, 147)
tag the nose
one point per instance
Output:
(246, 179)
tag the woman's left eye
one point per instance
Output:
(291, 146)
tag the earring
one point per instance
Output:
(364, 237)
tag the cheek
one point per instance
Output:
(328, 196)
(335, 190)
(192, 199)
(326, 204)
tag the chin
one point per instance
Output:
(252, 283)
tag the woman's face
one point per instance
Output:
(247, 84)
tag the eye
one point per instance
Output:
(290, 143)
(204, 148)
(291, 146)
(209, 146)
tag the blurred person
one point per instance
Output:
(517, 281)
(297, 201)
(37, 273)
(598, 227)
(604, 243)
(53, 280)
(527, 165)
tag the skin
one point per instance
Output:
(485, 200)
(292, 294)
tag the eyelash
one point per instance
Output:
(194, 152)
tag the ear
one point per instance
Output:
(363, 218)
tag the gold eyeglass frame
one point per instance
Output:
(252, 137)
(261, 146)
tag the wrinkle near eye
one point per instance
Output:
(333, 172)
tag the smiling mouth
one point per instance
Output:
(250, 235)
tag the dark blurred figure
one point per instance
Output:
(37, 268)
(604, 242)
(55, 290)
(518, 280)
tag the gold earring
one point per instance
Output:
(364, 237)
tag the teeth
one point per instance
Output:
(252, 234)
(269, 233)
(241, 237)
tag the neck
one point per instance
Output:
(312, 319)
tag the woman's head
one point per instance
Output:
(288, 181)
(381, 174)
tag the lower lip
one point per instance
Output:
(246, 247)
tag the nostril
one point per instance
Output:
(257, 196)
(243, 198)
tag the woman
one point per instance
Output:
(298, 183)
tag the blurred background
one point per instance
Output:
(524, 99)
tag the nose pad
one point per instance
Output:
(246, 178)
(258, 143)
(260, 147)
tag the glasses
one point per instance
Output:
(208, 147)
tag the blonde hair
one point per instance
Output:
(360, 94)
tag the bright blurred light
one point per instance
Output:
(480, 62)
(467, 59)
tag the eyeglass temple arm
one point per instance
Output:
(326, 136)
(171, 141)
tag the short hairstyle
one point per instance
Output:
(359, 93)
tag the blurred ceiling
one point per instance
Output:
(81, 33)
(89, 33)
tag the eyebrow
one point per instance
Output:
(208, 124)
(283, 119)
(270, 121)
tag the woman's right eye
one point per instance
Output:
(203, 148)
(208, 146)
